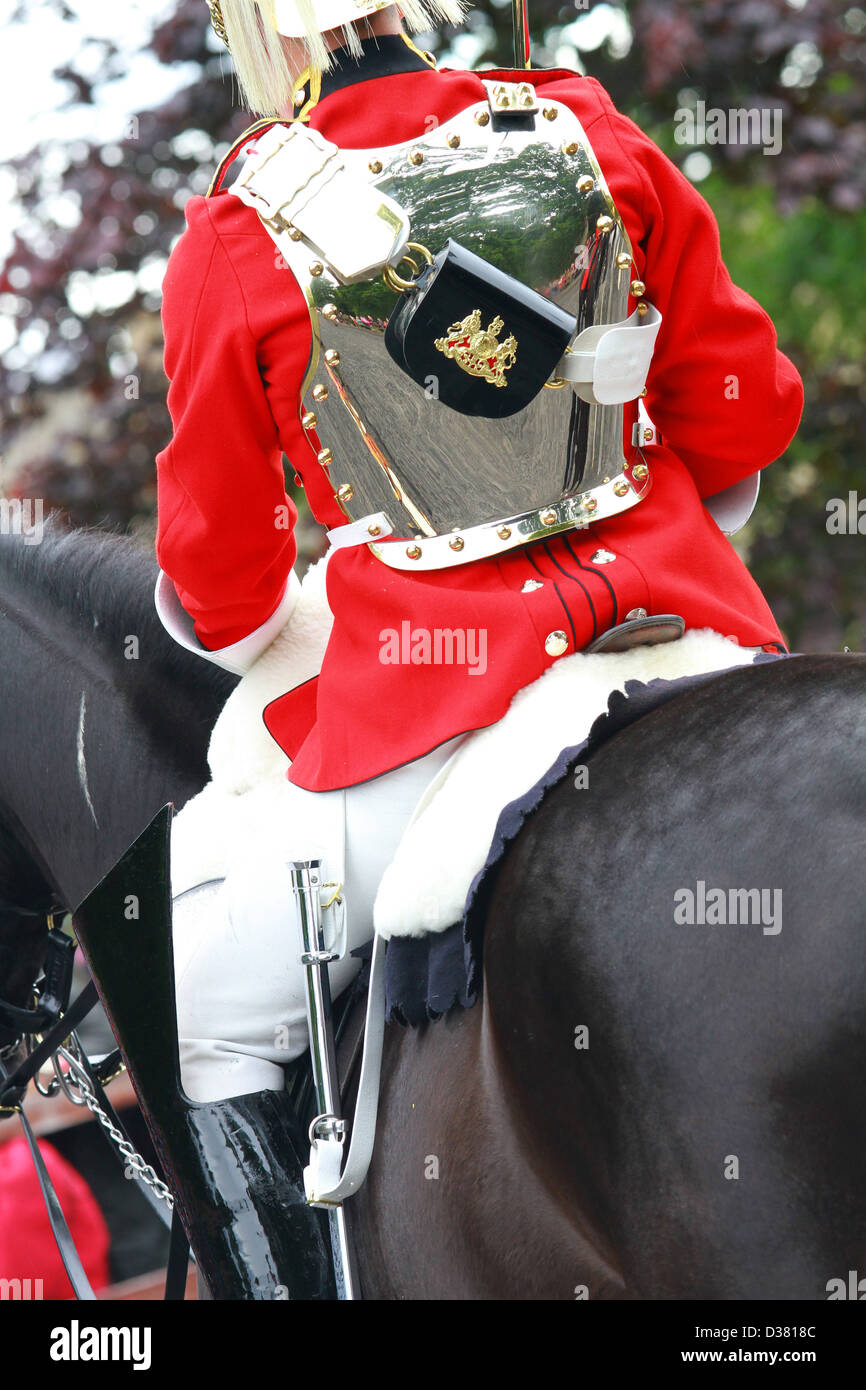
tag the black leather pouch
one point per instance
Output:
(476, 338)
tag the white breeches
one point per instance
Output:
(239, 980)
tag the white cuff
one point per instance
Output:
(731, 508)
(239, 656)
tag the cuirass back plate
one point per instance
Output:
(535, 204)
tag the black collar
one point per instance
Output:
(383, 55)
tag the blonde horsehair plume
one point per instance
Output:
(265, 78)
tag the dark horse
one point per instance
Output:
(652, 1099)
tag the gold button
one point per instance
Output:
(325, 457)
(332, 357)
(453, 142)
(620, 488)
(374, 530)
(416, 157)
(329, 311)
(604, 223)
(346, 492)
(585, 183)
(414, 552)
(482, 117)
(638, 288)
(375, 166)
(571, 148)
(316, 268)
(550, 113)
(456, 542)
(648, 436)
(640, 471)
(504, 532)
(555, 643)
(320, 393)
(309, 419)
(548, 517)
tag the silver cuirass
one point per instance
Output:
(515, 180)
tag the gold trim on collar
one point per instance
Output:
(313, 77)
(427, 57)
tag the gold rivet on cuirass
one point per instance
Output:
(374, 530)
(329, 311)
(642, 309)
(456, 542)
(623, 260)
(416, 157)
(375, 166)
(332, 357)
(346, 492)
(550, 113)
(643, 392)
(504, 532)
(638, 288)
(320, 393)
(294, 234)
(482, 117)
(649, 436)
(548, 517)
(589, 504)
(453, 142)
(571, 148)
(316, 268)
(309, 420)
(605, 223)
(640, 471)
(585, 183)
(325, 457)
(620, 488)
(414, 552)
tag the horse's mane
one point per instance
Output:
(101, 583)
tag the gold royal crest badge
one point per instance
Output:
(476, 349)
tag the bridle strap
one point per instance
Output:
(81, 1285)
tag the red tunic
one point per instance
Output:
(237, 342)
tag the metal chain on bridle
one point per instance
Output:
(78, 1091)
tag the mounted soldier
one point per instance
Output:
(487, 322)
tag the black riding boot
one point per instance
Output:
(234, 1166)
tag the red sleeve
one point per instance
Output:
(225, 532)
(725, 399)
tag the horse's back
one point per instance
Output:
(698, 909)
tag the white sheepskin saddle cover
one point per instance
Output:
(445, 845)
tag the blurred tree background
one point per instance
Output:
(83, 391)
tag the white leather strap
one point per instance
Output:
(359, 532)
(324, 1182)
(608, 363)
(295, 177)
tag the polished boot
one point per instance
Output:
(235, 1165)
